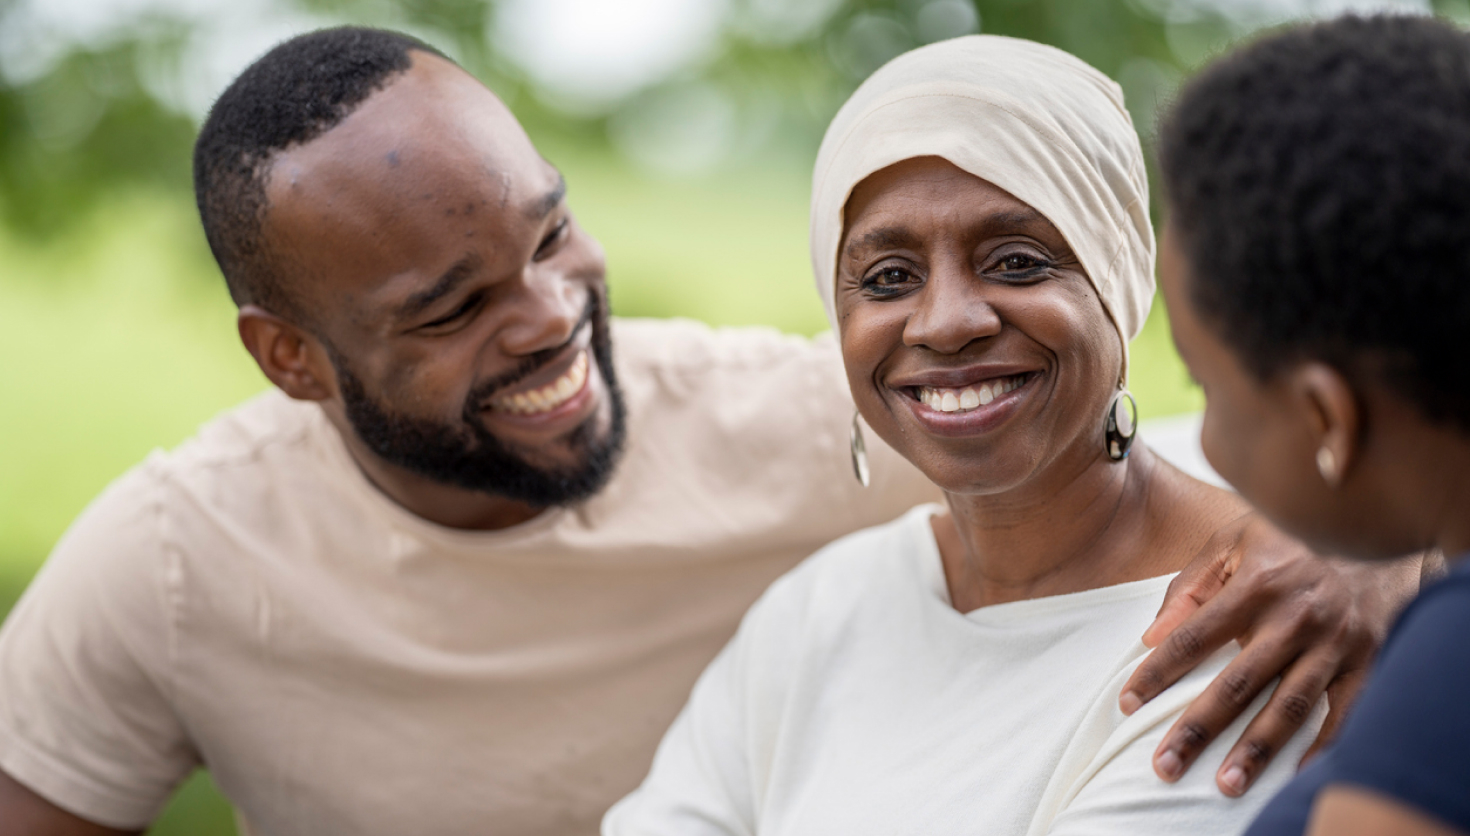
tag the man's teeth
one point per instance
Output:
(550, 396)
(964, 400)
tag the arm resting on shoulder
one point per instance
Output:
(23, 813)
(1314, 623)
(1118, 794)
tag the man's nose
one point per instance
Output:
(546, 310)
(952, 311)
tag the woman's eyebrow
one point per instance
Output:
(888, 237)
(1018, 217)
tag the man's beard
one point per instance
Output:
(467, 455)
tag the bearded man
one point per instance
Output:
(457, 571)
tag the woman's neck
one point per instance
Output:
(1103, 524)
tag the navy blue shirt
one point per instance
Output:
(1408, 737)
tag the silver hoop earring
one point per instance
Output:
(859, 451)
(1121, 425)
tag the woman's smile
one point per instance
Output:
(965, 402)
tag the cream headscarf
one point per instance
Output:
(1030, 119)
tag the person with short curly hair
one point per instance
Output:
(1316, 265)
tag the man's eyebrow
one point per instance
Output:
(452, 278)
(549, 201)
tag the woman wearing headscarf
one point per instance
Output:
(1317, 266)
(981, 241)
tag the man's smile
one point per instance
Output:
(556, 398)
(551, 396)
(562, 397)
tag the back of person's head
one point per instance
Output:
(294, 93)
(1319, 184)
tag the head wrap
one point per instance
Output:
(1030, 119)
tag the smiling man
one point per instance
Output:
(458, 570)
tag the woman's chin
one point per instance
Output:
(973, 474)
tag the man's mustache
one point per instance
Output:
(484, 392)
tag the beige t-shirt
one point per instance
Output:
(251, 603)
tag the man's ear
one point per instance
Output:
(1335, 416)
(292, 359)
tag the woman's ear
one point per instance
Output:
(1334, 415)
(288, 355)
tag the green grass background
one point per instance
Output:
(118, 338)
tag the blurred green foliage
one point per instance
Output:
(116, 336)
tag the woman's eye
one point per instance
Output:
(1020, 267)
(887, 280)
(1019, 261)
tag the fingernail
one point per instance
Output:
(1234, 779)
(1169, 764)
(1129, 703)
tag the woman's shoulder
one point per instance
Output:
(1105, 782)
(882, 553)
(850, 575)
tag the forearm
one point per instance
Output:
(1432, 567)
(1347, 811)
(24, 813)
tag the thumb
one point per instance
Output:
(1200, 581)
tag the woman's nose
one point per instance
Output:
(951, 312)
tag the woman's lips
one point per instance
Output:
(966, 398)
(968, 410)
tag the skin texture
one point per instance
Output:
(28, 814)
(1348, 811)
(1039, 490)
(944, 278)
(1327, 617)
(429, 174)
(1264, 436)
(430, 178)
(433, 173)
(1398, 484)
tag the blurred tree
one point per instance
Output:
(83, 128)
(95, 116)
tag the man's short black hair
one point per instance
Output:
(294, 93)
(1319, 184)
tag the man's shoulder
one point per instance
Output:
(228, 455)
(676, 344)
(862, 569)
(752, 389)
(243, 433)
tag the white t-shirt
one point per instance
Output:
(856, 700)
(251, 603)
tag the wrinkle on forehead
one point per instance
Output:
(372, 197)
(432, 122)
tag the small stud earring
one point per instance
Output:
(859, 451)
(1121, 425)
(1327, 466)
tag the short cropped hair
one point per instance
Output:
(1319, 185)
(294, 93)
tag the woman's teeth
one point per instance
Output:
(964, 400)
(550, 396)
